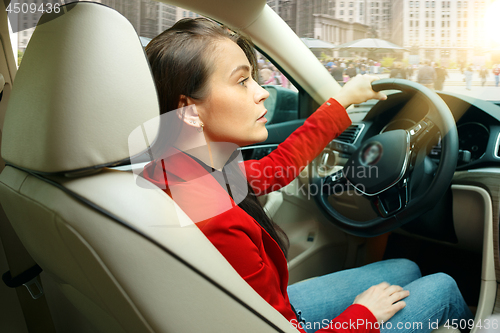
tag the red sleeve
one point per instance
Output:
(356, 318)
(285, 163)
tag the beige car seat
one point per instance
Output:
(135, 263)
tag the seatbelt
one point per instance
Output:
(22, 267)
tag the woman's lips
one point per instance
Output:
(262, 118)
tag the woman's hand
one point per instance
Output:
(383, 300)
(358, 90)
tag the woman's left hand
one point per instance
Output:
(358, 90)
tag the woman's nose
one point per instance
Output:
(261, 94)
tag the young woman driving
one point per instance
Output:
(206, 78)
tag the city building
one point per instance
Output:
(288, 12)
(278, 5)
(148, 17)
(168, 17)
(448, 31)
(26, 23)
(337, 31)
(443, 31)
(336, 21)
(376, 14)
(183, 13)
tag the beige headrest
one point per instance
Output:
(83, 86)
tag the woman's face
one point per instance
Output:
(234, 108)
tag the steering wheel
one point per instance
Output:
(400, 159)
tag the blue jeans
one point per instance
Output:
(497, 78)
(433, 299)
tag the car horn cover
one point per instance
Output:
(380, 163)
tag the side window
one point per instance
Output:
(283, 101)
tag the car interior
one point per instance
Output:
(85, 249)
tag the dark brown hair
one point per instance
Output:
(182, 59)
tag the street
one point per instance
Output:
(490, 93)
(455, 84)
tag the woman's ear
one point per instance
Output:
(187, 112)
(183, 101)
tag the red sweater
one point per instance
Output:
(252, 252)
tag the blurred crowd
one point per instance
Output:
(433, 75)
(483, 73)
(270, 75)
(343, 70)
(427, 73)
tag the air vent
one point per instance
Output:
(351, 134)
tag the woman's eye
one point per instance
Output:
(243, 82)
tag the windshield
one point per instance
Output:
(451, 46)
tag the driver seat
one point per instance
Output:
(125, 256)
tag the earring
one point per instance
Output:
(200, 129)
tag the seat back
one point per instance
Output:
(123, 254)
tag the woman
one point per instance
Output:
(338, 73)
(205, 77)
(483, 74)
(468, 78)
(441, 75)
(496, 74)
(398, 72)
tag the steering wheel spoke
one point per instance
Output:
(332, 183)
(420, 131)
(392, 200)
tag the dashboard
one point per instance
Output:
(478, 125)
